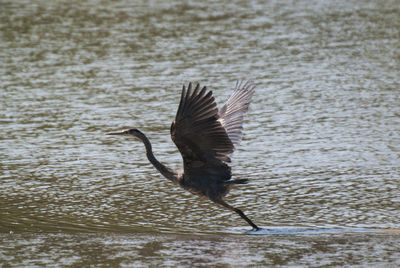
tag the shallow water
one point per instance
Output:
(200, 250)
(321, 146)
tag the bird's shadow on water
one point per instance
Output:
(292, 230)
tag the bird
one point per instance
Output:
(206, 138)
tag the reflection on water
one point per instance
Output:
(321, 143)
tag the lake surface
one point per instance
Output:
(321, 143)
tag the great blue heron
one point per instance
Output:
(206, 138)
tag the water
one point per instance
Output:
(321, 145)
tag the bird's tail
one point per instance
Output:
(239, 181)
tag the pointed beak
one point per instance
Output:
(116, 133)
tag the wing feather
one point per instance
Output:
(205, 136)
(196, 131)
(232, 113)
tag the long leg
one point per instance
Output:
(238, 211)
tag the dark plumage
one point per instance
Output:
(206, 138)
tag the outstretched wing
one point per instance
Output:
(232, 113)
(197, 132)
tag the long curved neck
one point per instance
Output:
(165, 171)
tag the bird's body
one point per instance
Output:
(206, 138)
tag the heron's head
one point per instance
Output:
(128, 132)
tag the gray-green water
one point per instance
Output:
(321, 145)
